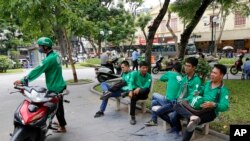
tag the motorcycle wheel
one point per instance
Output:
(233, 70)
(101, 78)
(21, 134)
(155, 70)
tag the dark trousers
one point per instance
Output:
(135, 64)
(142, 95)
(60, 112)
(184, 113)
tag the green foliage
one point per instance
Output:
(4, 63)
(203, 69)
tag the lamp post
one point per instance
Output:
(213, 22)
(103, 33)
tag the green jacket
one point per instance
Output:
(139, 81)
(126, 77)
(210, 94)
(191, 86)
(52, 68)
(173, 80)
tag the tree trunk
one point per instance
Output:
(223, 22)
(190, 27)
(93, 45)
(173, 34)
(70, 56)
(152, 30)
(99, 48)
(83, 47)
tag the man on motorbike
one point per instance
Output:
(52, 68)
(110, 91)
(105, 60)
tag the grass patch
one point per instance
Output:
(227, 61)
(77, 66)
(12, 71)
(238, 112)
(91, 62)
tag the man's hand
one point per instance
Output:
(130, 94)
(208, 105)
(17, 82)
(136, 91)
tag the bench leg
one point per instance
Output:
(205, 129)
(118, 103)
(143, 107)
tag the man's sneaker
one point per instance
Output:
(132, 121)
(98, 114)
(124, 94)
(151, 123)
(105, 95)
(193, 123)
(178, 134)
(171, 130)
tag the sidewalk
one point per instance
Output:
(114, 126)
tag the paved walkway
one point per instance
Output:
(114, 126)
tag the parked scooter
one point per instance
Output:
(104, 73)
(161, 67)
(33, 118)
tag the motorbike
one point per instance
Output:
(104, 73)
(234, 69)
(161, 67)
(33, 117)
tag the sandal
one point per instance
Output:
(60, 130)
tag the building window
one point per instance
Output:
(163, 26)
(239, 19)
(173, 24)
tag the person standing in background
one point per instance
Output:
(135, 56)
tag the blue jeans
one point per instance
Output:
(166, 105)
(105, 87)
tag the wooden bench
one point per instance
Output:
(141, 104)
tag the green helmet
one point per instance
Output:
(45, 41)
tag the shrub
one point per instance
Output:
(203, 69)
(4, 63)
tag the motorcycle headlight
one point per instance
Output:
(37, 97)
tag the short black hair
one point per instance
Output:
(143, 63)
(192, 60)
(177, 67)
(247, 59)
(222, 68)
(126, 63)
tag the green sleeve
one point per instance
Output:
(164, 77)
(36, 72)
(223, 104)
(131, 81)
(148, 82)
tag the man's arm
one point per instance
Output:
(164, 77)
(148, 82)
(36, 72)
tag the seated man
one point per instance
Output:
(109, 92)
(215, 96)
(139, 87)
(246, 69)
(187, 88)
(173, 79)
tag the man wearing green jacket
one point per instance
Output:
(215, 96)
(139, 88)
(165, 103)
(108, 91)
(52, 68)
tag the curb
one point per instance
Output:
(123, 101)
(218, 134)
(80, 83)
